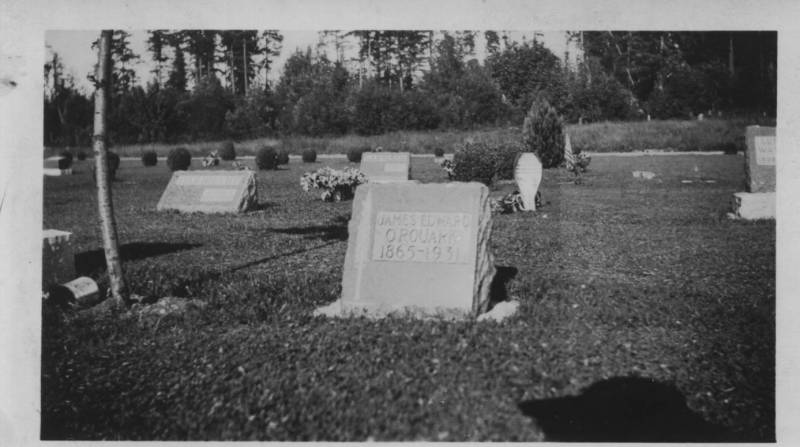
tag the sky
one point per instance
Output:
(76, 53)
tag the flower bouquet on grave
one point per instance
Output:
(335, 185)
(211, 159)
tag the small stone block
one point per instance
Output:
(383, 167)
(759, 205)
(58, 258)
(55, 172)
(210, 192)
(419, 249)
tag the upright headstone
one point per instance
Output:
(528, 175)
(758, 202)
(58, 258)
(418, 248)
(384, 167)
(760, 161)
(210, 192)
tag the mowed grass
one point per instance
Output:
(670, 135)
(617, 277)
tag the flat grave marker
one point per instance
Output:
(383, 167)
(418, 248)
(209, 192)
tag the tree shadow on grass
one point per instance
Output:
(94, 260)
(623, 409)
(277, 256)
(336, 230)
(498, 289)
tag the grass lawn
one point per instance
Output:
(618, 277)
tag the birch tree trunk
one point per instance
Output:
(107, 223)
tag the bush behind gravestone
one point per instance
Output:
(309, 156)
(266, 158)
(112, 161)
(66, 159)
(354, 154)
(149, 158)
(543, 133)
(283, 157)
(438, 152)
(179, 159)
(475, 162)
(227, 152)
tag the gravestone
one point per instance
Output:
(417, 248)
(54, 167)
(758, 202)
(210, 192)
(58, 258)
(760, 161)
(528, 175)
(384, 167)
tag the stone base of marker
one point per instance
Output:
(418, 250)
(55, 172)
(758, 205)
(210, 192)
(58, 258)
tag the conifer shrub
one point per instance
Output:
(438, 152)
(81, 155)
(309, 156)
(179, 159)
(283, 157)
(66, 159)
(227, 152)
(266, 158)
(543, 133)
(149, 158)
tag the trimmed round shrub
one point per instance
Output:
(438, 152)
(66, 160)
(475, 162)
(309, 156)
(149, 158)
(543, 133)
(112, 161)
(267, 158)
(81, 155)
(354, 154)
(283, 158)
(179, 159)
(227, 152)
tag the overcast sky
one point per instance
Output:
(76, 53)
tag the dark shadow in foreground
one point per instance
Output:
(623, 409)
(336, 230)
(498, 290)
(94, 260)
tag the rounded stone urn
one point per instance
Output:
(528, 175)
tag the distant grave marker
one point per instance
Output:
(383, 167)
(210, 192)
(58, 258)
(760, 162)
(758, 202)
(418, 248)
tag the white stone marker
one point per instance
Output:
(528, 175)
(421, 249)
(758, 202)
(383, 167)
(58, 258)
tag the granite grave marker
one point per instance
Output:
(210, 192)
(418, 248)
(383, 167)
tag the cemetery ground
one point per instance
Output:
(618, 278)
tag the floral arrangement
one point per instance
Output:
(335, 185)
(512, 203)
(579, 164)
(449, 167)
(211, 159)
